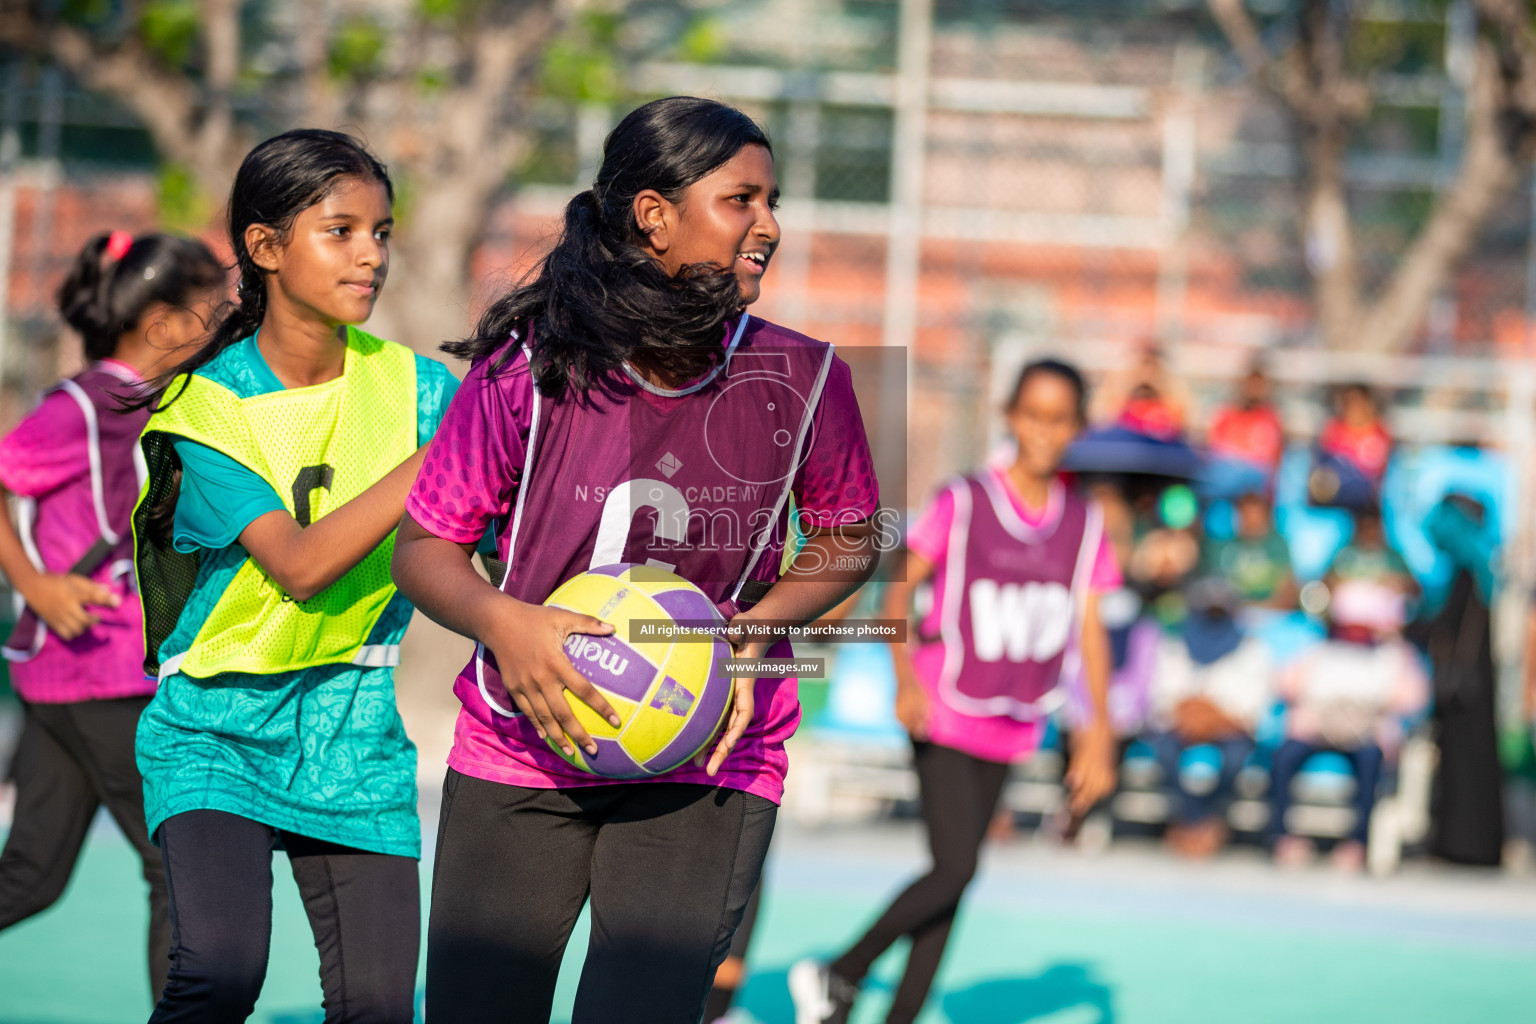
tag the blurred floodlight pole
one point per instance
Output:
(50, 127)
(10, 156)
(593, 121)
(1179, 166)
(799, 185)
(1530, 277)
(909, 152)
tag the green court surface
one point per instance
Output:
(1047, 936)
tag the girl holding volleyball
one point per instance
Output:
(77, 653)
(1017, 559)
(601, 423)
(279, 458)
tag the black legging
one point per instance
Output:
(668, 866)
(72, 759)
(364, 909)
(722, 996)
(959, 794)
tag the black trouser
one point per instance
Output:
(72, 759)
(364, 908)
(669, 868)
(959, 794)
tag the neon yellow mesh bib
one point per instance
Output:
(318, 447)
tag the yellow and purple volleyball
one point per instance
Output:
(671, 694)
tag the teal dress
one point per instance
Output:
(320, 752)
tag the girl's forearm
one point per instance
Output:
(18, 568)
(436, 575)
(898, 605)
(826, 571)
(304, 560)
(1096, 661)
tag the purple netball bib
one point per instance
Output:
(1011, 596)
(116, 474)
(694, 480)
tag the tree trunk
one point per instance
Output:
(426, 301)
(1489, 172)
(1330, 237)
(1328, 103)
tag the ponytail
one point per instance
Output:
(117, 278)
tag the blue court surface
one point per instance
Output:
(1048, 935)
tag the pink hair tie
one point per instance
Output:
(118, 244)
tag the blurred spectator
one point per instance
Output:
(1147, 398)
(1352, 693)
(1349, 694)
(1210, 688)
(1256, 561)
(1356, 434)
(1249, 430)
(1369, 583)
(1162, 560)
(1467, 804)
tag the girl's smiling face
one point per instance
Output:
(725, 218)
(1044, 420)
(331, 263)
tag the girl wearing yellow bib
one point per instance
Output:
(279, 459)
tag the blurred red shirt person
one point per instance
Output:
(1250, 429)
(1357, 435)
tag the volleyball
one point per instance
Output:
(670, 695)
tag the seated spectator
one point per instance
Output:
(1211, 686)
(1249, 430)
(1256, 561)
(1369, 583)
(1147, 398)
(1356, 434)
(1350, 694)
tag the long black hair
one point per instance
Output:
(117, 278)
(277, 181)
(597, 299)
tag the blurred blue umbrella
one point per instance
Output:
(1120, 450)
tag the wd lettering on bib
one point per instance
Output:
(1019, 621)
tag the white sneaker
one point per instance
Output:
(820, 997)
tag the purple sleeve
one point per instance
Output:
(475, 462)
(46, 450)
(836, 482)
(928, 536)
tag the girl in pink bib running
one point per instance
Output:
(1017, 558)
(618, 410)
(77, 653)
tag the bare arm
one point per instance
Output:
(1530, 667)
(527, 639)
(911, 700)
(1091, 776)
(304, 560)
(835, 562)
(59, 599)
